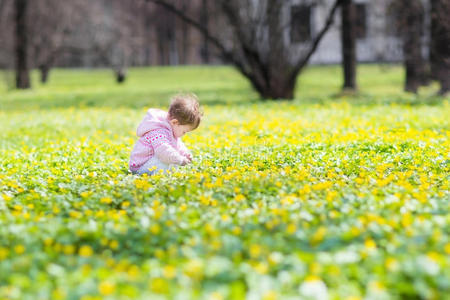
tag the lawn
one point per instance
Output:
(328, 196)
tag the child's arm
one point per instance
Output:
(184, 151)
(163, 150)
(169, 155)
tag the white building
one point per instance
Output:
(377, 38)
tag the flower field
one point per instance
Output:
(315, 200)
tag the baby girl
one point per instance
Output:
(159, 146)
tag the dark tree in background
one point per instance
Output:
(204, 19)
(165, 29)
(21, 45)
(348, 41)
(410, 16)
(2, 9)
(259, 50)
(112, 37)
(440, 43)
(5, 25)
(52, 28)
(268, 41)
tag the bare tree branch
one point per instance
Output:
(259, 52)
(2, 12)
(2, 6)
(226, 54)
(329, 21)
(204, 30)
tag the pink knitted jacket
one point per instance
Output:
(156, 138)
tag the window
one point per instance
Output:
(300, 23)
(361, 21)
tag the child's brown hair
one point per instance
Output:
(186, 109)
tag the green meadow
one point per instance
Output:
(328, 196)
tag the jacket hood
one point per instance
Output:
(155, 119)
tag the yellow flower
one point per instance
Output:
(270, 295)
(19, 249)
(85, 194)
(255, 250)
(318, 235)
(106, 200)
(447, 248)
(194, 268)
(391, 264)
(106, 288)
(133, 272)
(7, 197)
(3, 253)
(58, 294)
(69, 249)
(261, 268)
(114, 244)
(239, 198)
(312, 278)
(376, 285)
(85, 251)
(183, 207)
(236, 230)
(215, 296)
(169, 272)
(370, 244)
(291, 228)
(75, 214)
(290, 199)
(159, 285)
(155, 229)
(205, 200)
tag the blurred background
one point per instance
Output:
(269, 42)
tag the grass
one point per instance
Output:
(214, 85)
(325, 197)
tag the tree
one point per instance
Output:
(440, 43)
(6, 30)
(166, 37)
(410, 24)
(49, 37)
(259, 50)
(348, 38)
(2, 8)
(204, 19)
(112, 36)
(21, 45)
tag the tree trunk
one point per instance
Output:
(412, 28)
(120, 76)
(184, 38)
(45, 70)
(204, 20)
(162, 53)
(22, 69)
(278, 89)
(269, 67)
(440, 43)
(348, 38)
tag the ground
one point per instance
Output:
(328, 196)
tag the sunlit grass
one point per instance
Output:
(342, 196)
(214, 85)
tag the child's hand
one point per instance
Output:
(188, 156)
(185, 161)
